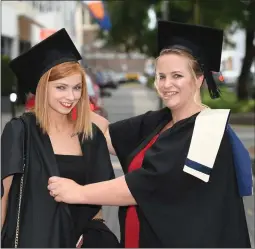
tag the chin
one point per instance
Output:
(66, 112)
(171, 104)
(62, 111)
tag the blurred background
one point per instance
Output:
(117, 40)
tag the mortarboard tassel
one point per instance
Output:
(212, 86)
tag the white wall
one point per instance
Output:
(238, 38)
(65, 18)
(236, 53)
(79, 27)
(9, 21)
(9, 27)
(50, 20)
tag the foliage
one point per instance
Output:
(150, 82)
(8, 83)
(228, 100)
(130, 25)
(130, 19)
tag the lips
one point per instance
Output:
(66, 105)
(169, 94)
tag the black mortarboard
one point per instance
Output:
(204, 43)
(30, 66)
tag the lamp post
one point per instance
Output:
(13, 99)
(165, 15)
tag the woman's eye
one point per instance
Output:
(176, 76)
(78, 88)
(161, 77)
(61, 87)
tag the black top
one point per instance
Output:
(176, 209)
(74, 167)
(45, 223)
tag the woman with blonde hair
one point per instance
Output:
(184, 180)
(47, 142)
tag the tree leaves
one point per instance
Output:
(130, 19)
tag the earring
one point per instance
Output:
(74, 113)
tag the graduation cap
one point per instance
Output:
(204, 43)
(31, 65)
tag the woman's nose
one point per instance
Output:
(70, 95)
(168, 82)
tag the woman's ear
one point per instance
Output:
(200, 80)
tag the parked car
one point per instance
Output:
(121, 77)
(97, 79)
(132, 76)
(96, 102)
(108, 79)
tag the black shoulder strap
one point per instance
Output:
(23, 178)
(26, 144)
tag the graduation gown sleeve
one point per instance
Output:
(184, 211)
(96, 233)
(12, 149)
(101, 167)
(126, 135)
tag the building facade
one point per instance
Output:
(24, 22)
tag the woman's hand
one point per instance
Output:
(107, 193)
(65, 190)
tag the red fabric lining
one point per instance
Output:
(30, 103)
(132, 224)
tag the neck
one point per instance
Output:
(185, 112)
(58, 122)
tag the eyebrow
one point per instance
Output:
(176, 72)
(64, 84)
(171, 72)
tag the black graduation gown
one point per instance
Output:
(44, 222)
(176, 209)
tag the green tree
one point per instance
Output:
(8, 83)
(130, 25)
(129, 19)
(221, 15)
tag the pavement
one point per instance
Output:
(242, 118)
(133, 99)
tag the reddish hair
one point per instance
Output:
(83, 122)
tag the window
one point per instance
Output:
(24, 46)
(6, 46)
(45, 6)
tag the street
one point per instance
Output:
(131, 100)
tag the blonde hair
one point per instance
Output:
(194, 66)
(83, 123)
